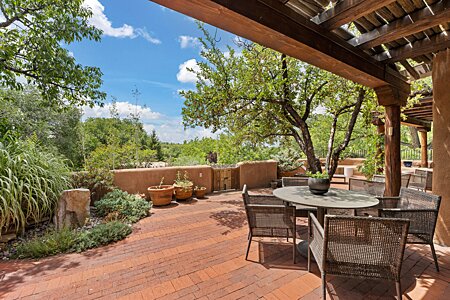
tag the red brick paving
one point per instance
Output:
(195, 250)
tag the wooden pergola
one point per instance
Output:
(382, 44)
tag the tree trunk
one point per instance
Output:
(414, 137)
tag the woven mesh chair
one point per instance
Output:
(300, 210)
(405, 179)
(358, 247)
(268, 216)
(418, 182)
(375, 188)
(428, 178)
(422, 210)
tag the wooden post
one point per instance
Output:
(441, 142)
(423, 147)
(392, 159)
(392, 99)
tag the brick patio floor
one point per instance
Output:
(196, 250)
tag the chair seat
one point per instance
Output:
(360, 270)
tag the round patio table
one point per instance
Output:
(334, 198)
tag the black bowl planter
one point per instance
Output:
(318, 186)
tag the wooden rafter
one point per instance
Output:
(435, 43)
(420, 20)
(410, 69)
(275, 25)
(348, 10)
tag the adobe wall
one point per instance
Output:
(441, 142)
(257, 174)
(138, 180)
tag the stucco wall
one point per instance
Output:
(138, 180)
(441, 142)
(257, 174)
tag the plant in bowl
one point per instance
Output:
(318, 183)
(160, 194)
(288, 162)
(183, 186)
(200, 192)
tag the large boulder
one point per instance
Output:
(72, 209)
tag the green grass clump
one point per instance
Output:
(102, 234)
(31, 181)
(129, 208)
(51, 243)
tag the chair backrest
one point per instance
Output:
(266, 219)
(405, 179)
(428, 177)
(294, 181)
(352, 243)
(414, 199)
(378, 178)
(371, 187)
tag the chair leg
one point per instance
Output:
(324, 286)
(248, 246)
(399, 290)
(434, 257)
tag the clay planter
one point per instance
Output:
(183, 192)
(200, 192)
(318, 186)
(161, 195)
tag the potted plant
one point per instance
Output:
(161, 194)
(288, 162)
(183, 186)
(319, 183)
(200, 192)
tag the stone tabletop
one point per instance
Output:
(334, 198)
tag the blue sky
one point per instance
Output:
(147, 46)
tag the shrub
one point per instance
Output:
(31, 181)
(51, 243)
(288, 159)
(129, 207)
(102, 234)
(99, 182)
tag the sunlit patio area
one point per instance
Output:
(196, 250)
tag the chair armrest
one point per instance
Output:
(408, 210)
(266, 206)
(388, 202)
(316, 240)
(265, 199)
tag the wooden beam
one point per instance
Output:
(389, 95)
(348, 10)
(274, 25)
(409, 121)
(433, 44)
(428, 17)
(410, 69)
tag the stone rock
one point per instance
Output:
(72, 209)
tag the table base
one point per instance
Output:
(302, 249)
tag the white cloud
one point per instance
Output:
(186, 76)
(188, 41)
(124, 109)
(101, 21)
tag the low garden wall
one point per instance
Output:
(257, 174)
(138, 180)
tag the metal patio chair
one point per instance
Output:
(268, 216)
(422, 210)
(375, 188)
(358, 247)
(300, 210)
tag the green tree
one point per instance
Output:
(262, 96)
(26, 114)
(32, 38)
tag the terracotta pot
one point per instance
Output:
(318, 186)
(161, 195)
(182, 192)
(200, 193)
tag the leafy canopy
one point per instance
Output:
(32, 38)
